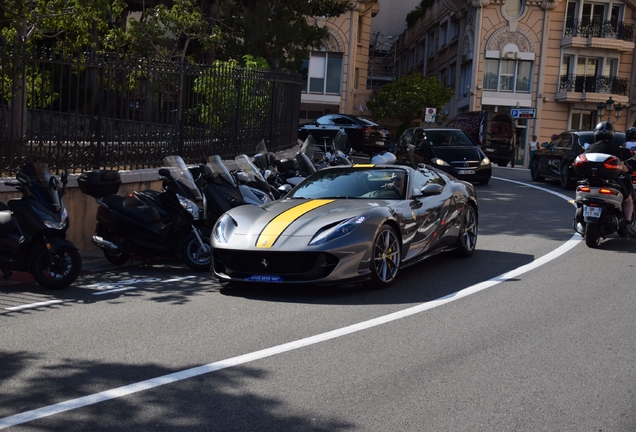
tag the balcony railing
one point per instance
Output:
(593, 84)
(600, 29)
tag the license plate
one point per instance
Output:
(264, 278)
(379, 143)
(594, 212)
(489, 150)
(465, 172)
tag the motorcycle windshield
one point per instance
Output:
(43, 185)
(305, 164)
(254, 176)
(218, 170)
(308, 147)
(245, 164)
(340, 141)
(182, 176)
(261, 148)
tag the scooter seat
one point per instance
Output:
(133, 208)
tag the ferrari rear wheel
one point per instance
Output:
(386, 257)
(467, 239)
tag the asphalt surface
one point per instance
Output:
(517, 337)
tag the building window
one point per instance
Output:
(443, 32)
(322, 73)
(411, 59)
(453, 30)
(466, 72)
(431, 43)
(451, 75)
(513, 8)
(421, 51)
(507, 75)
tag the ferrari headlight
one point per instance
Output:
(440, 162)
(485, 161)
(344, 227)
(221, 226)
(190, 207)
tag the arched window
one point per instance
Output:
(513, 8)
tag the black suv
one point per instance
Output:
(554, 160)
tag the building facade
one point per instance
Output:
(560, 59)
(335, 77)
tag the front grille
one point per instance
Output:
(465, 164)
(289, 265)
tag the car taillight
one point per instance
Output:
(612, 163)
(606, 191)
(585, 189)
(579, 161)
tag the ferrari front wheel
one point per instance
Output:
(467, 239)
(386, 257)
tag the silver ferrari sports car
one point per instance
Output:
(345, 224)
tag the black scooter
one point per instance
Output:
(172, 225)
(33, 230)
(223, 190)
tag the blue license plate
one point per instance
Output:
(264, 278)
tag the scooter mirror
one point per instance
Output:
(23, 178)
(164, 172)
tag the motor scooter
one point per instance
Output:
(166, 223)
(223, 190)
(599, 200)
(33, 230)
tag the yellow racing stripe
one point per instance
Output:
(275, 228)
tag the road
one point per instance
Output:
(534, 332)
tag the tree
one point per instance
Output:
(406, 99)
(276, 30)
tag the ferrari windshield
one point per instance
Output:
(352, 182)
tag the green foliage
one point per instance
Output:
(166, 32)
(221, 94)
(276, 30)
(407, 98)
(418, 12)
(65, 25)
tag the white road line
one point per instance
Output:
(34, 305)
(268, 352)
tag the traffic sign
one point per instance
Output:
(429, 115)
(523, 113)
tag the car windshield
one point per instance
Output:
(448, 138)
(367, 122)
(353, 183)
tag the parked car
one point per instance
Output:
(494, 132)
(365, 136)
(450, 150)
(554, 160)
(347, 223)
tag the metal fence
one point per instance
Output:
(114, 111)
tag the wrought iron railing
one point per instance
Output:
(600, 29)
(593, 84)
(120, 112)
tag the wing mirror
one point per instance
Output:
(429, 190)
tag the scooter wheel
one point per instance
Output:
(193, 255)
(116, 258)
(58, 272)
(592, 236)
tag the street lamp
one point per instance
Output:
(609, 107)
